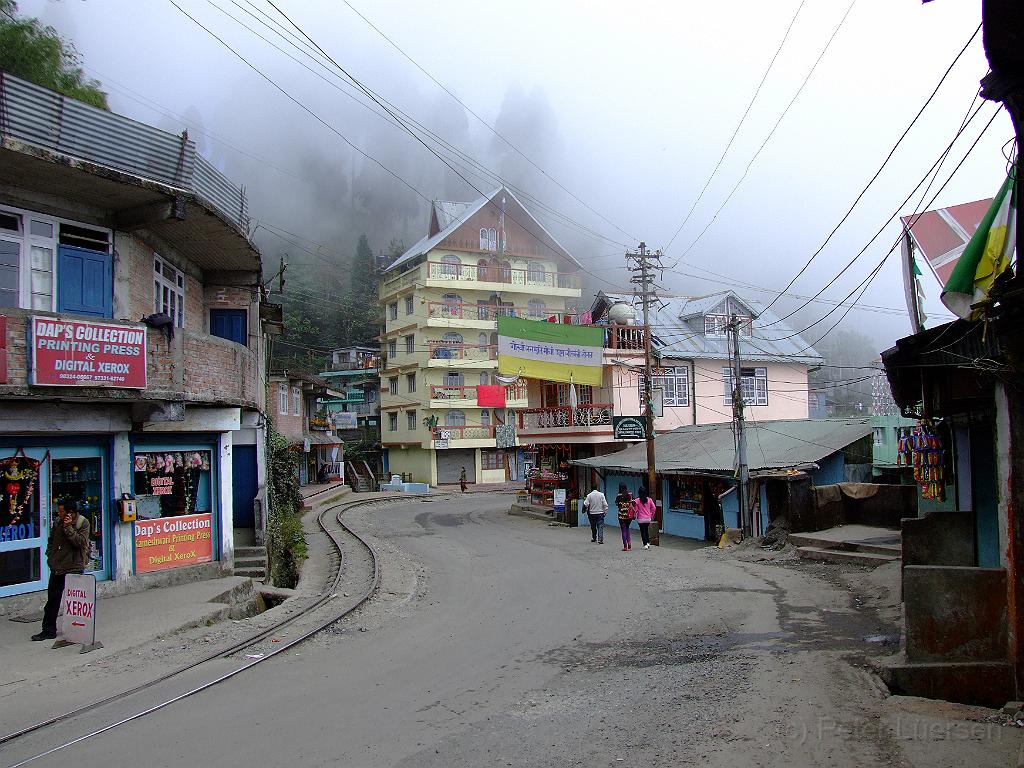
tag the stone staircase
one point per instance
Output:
(856, 545)
(251, 562)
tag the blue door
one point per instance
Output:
(229, 324)
(243, 492)
(85, 282)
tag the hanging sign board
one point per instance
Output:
(78, 621)
(559, 499)
(629, 427)
(78, 353)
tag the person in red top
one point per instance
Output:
(644, 511)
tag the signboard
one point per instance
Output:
(442, 444)
(73, 353)
(629, 427)
(171, 542)
(77, 623)
(559, 499)
(344, 420)
(550, 351)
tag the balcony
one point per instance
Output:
(397, 282)
(466, 397)
(445, 275)
(624, 337)
(443, 354)
(470, 436)
(592, 420)
(447, 314)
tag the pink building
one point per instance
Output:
(693, 380)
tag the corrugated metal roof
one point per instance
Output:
(458, 217)
(710, 447)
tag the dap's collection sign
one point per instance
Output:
(71, 353)
(172, 542)
(551, 351)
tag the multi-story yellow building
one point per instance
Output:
(441, 300)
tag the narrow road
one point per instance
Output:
(497, 640)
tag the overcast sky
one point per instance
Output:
(628, 106)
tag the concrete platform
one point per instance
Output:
(857, 544)
(123, 623)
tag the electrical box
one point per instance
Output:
(128, 509)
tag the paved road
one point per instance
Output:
(500, 641)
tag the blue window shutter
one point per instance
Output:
(85, 282)
(229, 324)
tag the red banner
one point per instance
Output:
(172, 542)
(490, 395)
(69, 353)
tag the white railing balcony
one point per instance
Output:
(539, 278)
(558, 417)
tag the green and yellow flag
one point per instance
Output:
(986, 256)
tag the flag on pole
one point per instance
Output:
(986, 256)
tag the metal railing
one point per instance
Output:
(517, 391)
(38, 116)
(449, 310)
(401, 280)
(440, 270)
(467, 432)
(624, 337)
(589, 415)
(442, 350)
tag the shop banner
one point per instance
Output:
(172, 542)
(72, 353)
(78, 622)
(535, 349)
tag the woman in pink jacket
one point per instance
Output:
(644, 512)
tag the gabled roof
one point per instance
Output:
(785, 444)
(457, 217)
(943, 233)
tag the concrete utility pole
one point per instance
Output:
(643, 263)
(742, 474)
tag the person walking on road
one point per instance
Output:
(596, 505)
(644, 510)
(462, 480)
(67, 551)
(624, 502)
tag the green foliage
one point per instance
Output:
(286, 540)
(38, 54)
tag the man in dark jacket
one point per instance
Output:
(67, 551)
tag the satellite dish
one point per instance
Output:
(622, 313)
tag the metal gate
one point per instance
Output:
(451, 461)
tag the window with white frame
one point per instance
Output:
(674, 383)
(535, 273)
(410, 420)
(393, 385)
(753, 386)
(408, 305)
(488, 239)
(393, 422)
(29, 257)
(715, 325)
(392, 347)
(296, 401)
(282, 399)
(168, 290)
(393, 311)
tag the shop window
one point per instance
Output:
(81, 481)
(492, 459)
(173, 483)
(21, 524)
(169, 290)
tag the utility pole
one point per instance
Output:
(642, 263)
(742, 472)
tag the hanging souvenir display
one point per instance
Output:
(921, 447)
(19, 474)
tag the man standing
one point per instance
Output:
(596, 505)
(67, 551)
(463, 480)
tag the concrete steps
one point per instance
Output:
(984, 683)
(251, 562)
(856, 545)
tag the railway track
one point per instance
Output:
(317, 626)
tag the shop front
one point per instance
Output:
(177, 501)
(38, 481)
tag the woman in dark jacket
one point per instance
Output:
(624, 502)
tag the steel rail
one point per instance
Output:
(324, 597)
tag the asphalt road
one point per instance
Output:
(497, 640)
